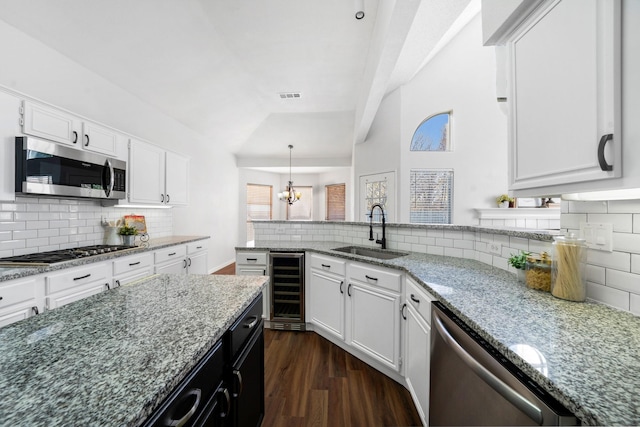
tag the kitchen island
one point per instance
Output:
(111, 359)
(584, 354)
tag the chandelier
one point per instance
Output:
(290, 195)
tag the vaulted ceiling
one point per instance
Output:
(220, 66)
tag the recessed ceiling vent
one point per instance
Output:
(290, 95)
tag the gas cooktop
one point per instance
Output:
(61, 255)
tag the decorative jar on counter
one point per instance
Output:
(569, 264)
(538, 272)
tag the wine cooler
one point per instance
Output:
(287, 290)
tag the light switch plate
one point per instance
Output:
(598, 236)
(495, 248)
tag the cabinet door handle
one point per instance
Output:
(35, 310)
(106, 285)
(189, 262)
(86, 144)
(162, 198)
(184, 263)
(414, 299)
(326, 266)
(402, 311)
(238, 376)
(131, 264)
(1, 298)
(184, 419)
(75, 137)
(118, 283)
(375, 279)
(226, 402)
(82, 277)
(603, 162)
(341, 283)
(167, 198)
(251, 324)
(349, 289)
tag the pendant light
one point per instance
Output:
(290, 195)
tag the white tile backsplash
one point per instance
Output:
(40, 224)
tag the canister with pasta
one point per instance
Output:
(568, 279)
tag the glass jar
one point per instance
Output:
(569, 264)
(538, 272)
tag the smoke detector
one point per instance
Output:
(289, 95)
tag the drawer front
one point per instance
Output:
(199, 246)
(376, 277)
(251, 258)
(69, 279)
(170, 254)
(245, 326)
(19, 291)
(126, 278)
(420, 299)
(132, 263)
(248, 270)
(328, 264)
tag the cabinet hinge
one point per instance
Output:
(21, 121)
(400, 361)
(21, 110)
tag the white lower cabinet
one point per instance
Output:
(131, 268)
(254, 263)
(20, 299)
(373, 312)
(67, 286)
(417, 343)
(197, 257)
(326, 295)
(171, 260)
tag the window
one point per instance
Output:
(376, 192)
(432, 134)
(335, 202)
(431, 195)
(302, 210)
(258, 206)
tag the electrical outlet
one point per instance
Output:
(598, 236)
(495, 248)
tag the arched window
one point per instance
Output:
(432, 134)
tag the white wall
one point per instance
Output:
(461, 78)
(34, 69)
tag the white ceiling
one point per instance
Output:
(218, 66)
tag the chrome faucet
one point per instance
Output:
(382, 241)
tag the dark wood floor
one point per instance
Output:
(227, 270)
(311, 382)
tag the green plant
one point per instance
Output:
(503, 198)
(127, 230)
(519, 261)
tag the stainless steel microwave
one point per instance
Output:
(48, 168)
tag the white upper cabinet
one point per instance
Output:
(177, 179)
(157, 176)
(56, 125)
(564, 97)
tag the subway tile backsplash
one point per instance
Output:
(613, 277)
(41, 224)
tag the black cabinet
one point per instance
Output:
(246, 379)
(226, 388)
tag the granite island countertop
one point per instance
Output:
(9, 273)
(587, 355)
(112, 358)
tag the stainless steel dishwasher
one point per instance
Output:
(473, 384)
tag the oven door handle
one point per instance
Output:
(516, 399)
(107, 180)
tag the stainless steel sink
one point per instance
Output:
(370, 252)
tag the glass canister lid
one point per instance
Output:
(569, 239)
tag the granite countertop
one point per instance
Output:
(9, 273)
(587, 355)
(112, 358)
